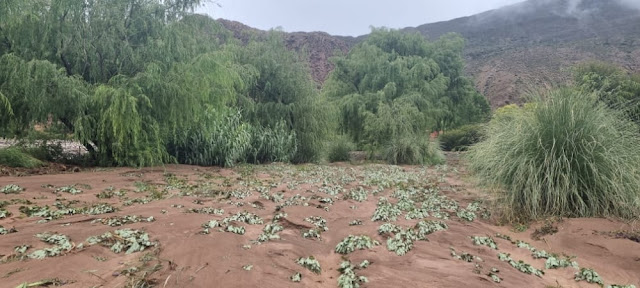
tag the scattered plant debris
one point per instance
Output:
(353, 243)
(11, 189)
(116, 221)
(4, 231)
(127, 240)
(520, 265)
(348, 277)
(486, 241)
(296, 277)
(547, 229)
(589, 276)
(310, 263)
(61, 244)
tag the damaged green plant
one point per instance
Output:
(310, 263)
(127, 240)
(352, 243)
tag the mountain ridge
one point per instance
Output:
(513, 49)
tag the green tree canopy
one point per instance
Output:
(145, 82)
(283, 91)
(396, 85)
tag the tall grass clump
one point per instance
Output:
(16, 157)
(220, 139)
(567, 155)
(413, 151)
(271, 144)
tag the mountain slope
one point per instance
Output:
(515, 48)
(535, 43)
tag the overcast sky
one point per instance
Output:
(345, 17)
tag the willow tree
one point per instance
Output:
(283, 92)
(123, 76)
(396, 87)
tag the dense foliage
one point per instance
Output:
(142, 83)
(148, 82)
(395, 87)
(613, 86)
(461, 138)
(566, 155)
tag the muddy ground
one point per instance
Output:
(270, 203)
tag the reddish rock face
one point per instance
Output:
(512, 50)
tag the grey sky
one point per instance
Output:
(345, 17)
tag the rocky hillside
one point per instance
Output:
(318, 46)
(516, 48)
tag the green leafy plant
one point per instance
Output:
(101, 208)
(385, 211)
(207, 210)
(61, 244)
(359, 194)
(4, 213)
(310, 263)
(554, 262)
(71, 189)
(348, 277)
(356, 222)
(296, 277)
(4, 231)
(116, 221)
(486, 241)
(589, 276)
(11, 189)
(426, 227)
(352, 243)
(402, 242)
(520, 265)
(319, 222)
(244, 217)
(127, 240)
(235, 229)
(270, 232)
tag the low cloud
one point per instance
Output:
(635, 4)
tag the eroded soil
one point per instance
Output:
(273, 202)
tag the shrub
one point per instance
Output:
(16, 157)
(567, 155)
(413, 150)
(339, 149)
(460, 139)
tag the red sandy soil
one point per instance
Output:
(191, 259)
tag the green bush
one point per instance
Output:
(16, 157)
(413, 151)
(460, 139)
(339, 149)
(567, 155)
